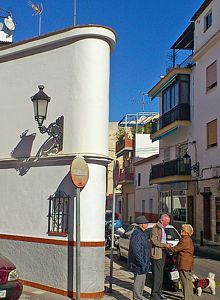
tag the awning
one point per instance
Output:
(159, 137)
(167, 84)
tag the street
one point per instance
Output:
(123, 282)
(202, 266)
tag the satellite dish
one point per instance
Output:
(1, 26)
(9, 23)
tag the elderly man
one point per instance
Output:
(138, 256)
(158, 256)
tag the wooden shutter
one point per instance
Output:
(211, 75)
(212, 133)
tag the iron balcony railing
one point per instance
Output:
(126, 175)
(180, 112)
(124, 143)
(170, 168)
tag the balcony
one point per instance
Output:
(171, 171)
(126, 175)
(126, 144)
(170, 121)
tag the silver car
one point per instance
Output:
(173, 237)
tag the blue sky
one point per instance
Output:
(146, 29)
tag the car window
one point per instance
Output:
(129, 231)
(172, 234)
(130, 228)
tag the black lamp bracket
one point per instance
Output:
(55, 130)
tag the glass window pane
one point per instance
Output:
(184, 92)
(179, 208)
(176, 94)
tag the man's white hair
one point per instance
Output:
(164, 216)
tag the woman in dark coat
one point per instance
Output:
(138, 256)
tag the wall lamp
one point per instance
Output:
(55, 130)
(187, 161)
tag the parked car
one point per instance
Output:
(173, 237)
(10, 287)
(171, 278)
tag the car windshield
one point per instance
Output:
(172, 234)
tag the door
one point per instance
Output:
(207, 216)
(190, 210)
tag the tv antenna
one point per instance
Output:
(141, 101)
(38, 10)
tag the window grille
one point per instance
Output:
(58, 213)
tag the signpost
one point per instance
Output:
(116, 178)
(79, 172)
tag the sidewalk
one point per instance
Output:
(210, 250)
(123, 283)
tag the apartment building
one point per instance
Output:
(188, 172)
(112, 138)
(133, 145)
(146, 195)
(207, 117)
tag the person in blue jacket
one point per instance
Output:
(139, 256)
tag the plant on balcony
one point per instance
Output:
(135, 130)
(120, 134)
(148, 127)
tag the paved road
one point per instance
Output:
(123, 281)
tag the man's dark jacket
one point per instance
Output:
(138, 255)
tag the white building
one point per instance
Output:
(133, 145)
(146, 195)
(36, 233)
(189, 172)
(207, 117)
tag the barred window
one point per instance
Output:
(58, 213)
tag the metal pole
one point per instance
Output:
(78, 270)
(143, 102)
(74, 19)
(39, 31)
(113, 231)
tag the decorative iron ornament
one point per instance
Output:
(55, 131)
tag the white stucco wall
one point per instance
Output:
(206, 108)
(145, 191)
(76, 77)
(144, 146)
(201, 37)
(74, 67)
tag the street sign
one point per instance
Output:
(116, 173)
(79, 172)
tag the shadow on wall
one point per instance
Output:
(22, 151)
(69, 189)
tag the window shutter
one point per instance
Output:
(211, 74)
(212, 133)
